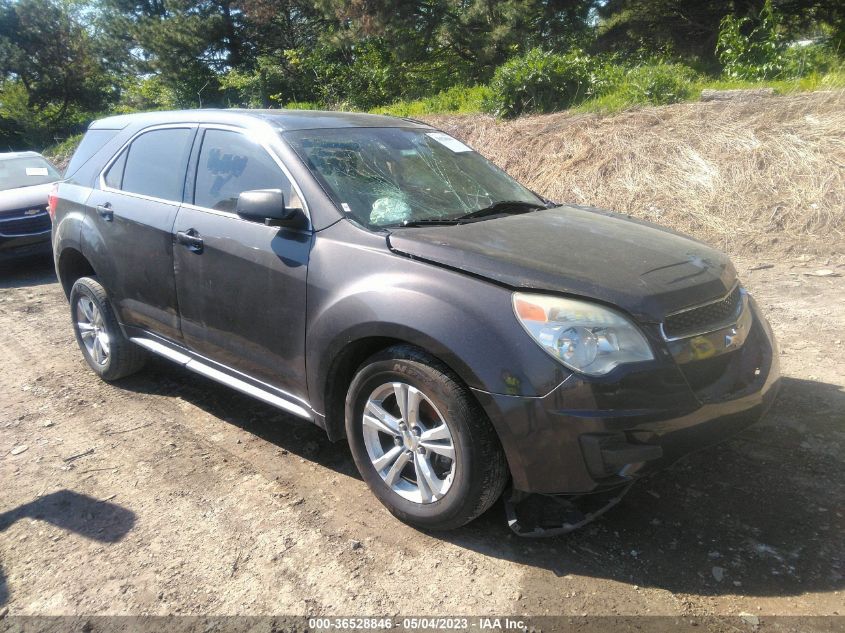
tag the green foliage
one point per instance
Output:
(63, 62)
(263, 86)
(455, 100)
(817, 58)
(752, 49)
(147, 93)
(657, 84)
(832, 80)
(544, 82)
(540, 81)
(301, 105)
(51, 73)
(757, 49)
(60, 153)
(458, 42)
(648, 84)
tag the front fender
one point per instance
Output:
(357, 292)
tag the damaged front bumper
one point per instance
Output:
(592, 435)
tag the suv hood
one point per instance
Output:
(645, 269)
(31, 197)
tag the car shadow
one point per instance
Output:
(102, 521)
(295, 435)
(27, 271)
(758, 515)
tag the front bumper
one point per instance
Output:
(24, 246)
(591, 434)
(25, 232)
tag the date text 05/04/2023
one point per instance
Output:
(418, 623)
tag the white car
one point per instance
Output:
(25, 182)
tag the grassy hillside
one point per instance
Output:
(761, 175)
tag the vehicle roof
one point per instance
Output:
(284, 120)
(11, 155)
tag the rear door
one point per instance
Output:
(241, 284)
(132, 213)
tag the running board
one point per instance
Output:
(223, 378)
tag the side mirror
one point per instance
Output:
(268, 206)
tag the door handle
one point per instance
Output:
(105, 211)
(191, 239)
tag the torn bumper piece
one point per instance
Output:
(544, 516)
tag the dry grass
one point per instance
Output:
(768, 174)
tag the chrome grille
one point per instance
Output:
(18, 224)
(703, 318)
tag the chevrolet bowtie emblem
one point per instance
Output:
(32, 212)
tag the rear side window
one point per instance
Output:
(92, 142)
(229, 164)
(114, 175)
(155, 163)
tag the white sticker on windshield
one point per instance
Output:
(452, 143)
(36, 171)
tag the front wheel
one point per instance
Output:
(422, 444)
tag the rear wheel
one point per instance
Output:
(108, 352)
(421, 443)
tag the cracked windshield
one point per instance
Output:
(390, 177)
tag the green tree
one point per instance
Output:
(690, 29)
(686, 29)
(278, 35)
(453, 42)
(184, 43)
(51, 76)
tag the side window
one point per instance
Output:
(155, 163)
(229, 163)
(114, 176)
(92, 142)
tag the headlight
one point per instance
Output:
(586, 337)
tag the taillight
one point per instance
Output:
(52, 200)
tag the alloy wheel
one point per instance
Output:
(92, 330)
(409, 442)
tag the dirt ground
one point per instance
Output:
(169, 494)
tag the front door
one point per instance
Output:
(241, 284)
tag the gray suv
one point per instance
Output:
(381, 279)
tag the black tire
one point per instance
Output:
(480, 470)
(123, 357)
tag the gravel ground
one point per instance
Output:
(168, 494)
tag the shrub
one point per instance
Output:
(145, 93)
(458, 99)
(60, 153)
(653, 82)
(540, 81)
(608, 72)
(659, 84)
(302, 105)
(801, 61)
(752, 51)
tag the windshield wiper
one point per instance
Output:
(409, 224)
(503, 206)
